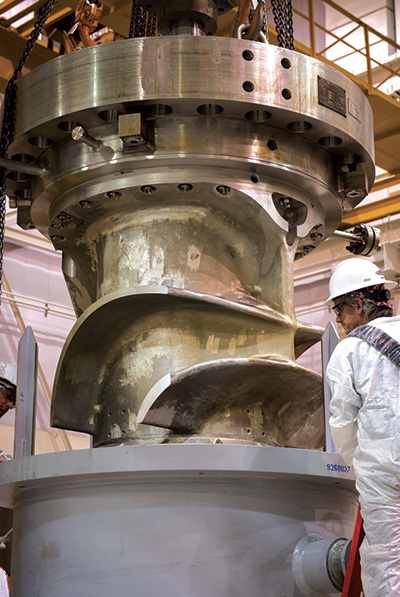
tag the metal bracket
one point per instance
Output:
(136, 133)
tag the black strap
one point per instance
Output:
(379, 340)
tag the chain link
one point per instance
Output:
(283, 19)
(8, 122)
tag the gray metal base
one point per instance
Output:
(182, 520)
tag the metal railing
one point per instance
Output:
(359, 42)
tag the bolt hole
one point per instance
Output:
(210, 109)
(287, 94)
(330, 141)
(40, 141)
(25, 158)
(299, 126)
(248, 86)
(271, 144)
(257, 115)
(159, 110)
(68, 125)
(254, 178)
(109, 115)
(248, 55)
(263, 433)
(248, 431)
(285, 62)
(22, 193)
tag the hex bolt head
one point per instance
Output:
(308, 248)
(147, 189)
(285, 201)
(86, 204)
(316, 236)
(185, 187)
(223, 190)
(64, 217)
(113, 195)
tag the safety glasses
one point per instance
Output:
(338, 308)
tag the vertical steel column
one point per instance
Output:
(329, 341)
(24, 441)
(311, 18)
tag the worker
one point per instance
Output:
(8, 391)
(364, 377)
(8, 387)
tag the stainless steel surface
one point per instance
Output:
(329, 341)
(16, 166)
(25, 417)
(218, 167)
(198, 399)
(345, 235)
(317, 565)
(80, 135)
(202, 519)
(220, 162)
(364, 239)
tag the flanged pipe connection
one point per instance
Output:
(319, 565)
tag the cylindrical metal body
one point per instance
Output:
(222, 160)
(219, 162)
(182, 520)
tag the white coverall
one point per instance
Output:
(365, 425)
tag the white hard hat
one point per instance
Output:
(8, 374)
(355, 274)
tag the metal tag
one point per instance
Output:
(354, 110)
(331, 96)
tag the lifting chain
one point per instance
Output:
(252, 16)
(8, 123)
(143, 23)
(283, 19)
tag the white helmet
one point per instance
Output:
(355, 274)
(8, 375)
